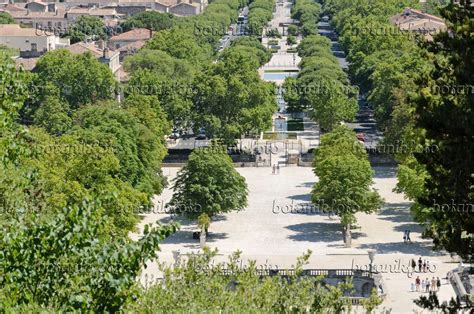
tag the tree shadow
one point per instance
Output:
(319, 232)
(183, 221)
(415, 248)
(306, 185)
(400, 213)
(185, 237)
(300, 197)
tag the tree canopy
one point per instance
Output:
(209, 184)
(345, 178)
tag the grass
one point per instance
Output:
(279, 136)
(295, 125)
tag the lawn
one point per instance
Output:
(279, 136)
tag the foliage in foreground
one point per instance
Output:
(68, 264)
(197, 286)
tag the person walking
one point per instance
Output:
(424, 266)
(413, 264)
(412, 287)
(433, 284)
(408, 236)
(417, 283)
(427, 265)
(405, 237)
(273, 169)
(420, 263)
(438, 283)
(278, 168)
(427, 285)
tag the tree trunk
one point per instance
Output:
(346, 232)
(202, 237)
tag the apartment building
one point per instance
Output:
(29, 41)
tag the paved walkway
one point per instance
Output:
(263, 233)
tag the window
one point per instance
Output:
(34, 47)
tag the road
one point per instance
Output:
(237, 30)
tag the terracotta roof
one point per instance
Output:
(81, 47)
(426, 15)
(134, 46)
(14, 30)
(24, 14)
(134, 34)
(79, 10)
(103, 12)
(13, 8)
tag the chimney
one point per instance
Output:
(106, 52)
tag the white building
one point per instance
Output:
(31, 42)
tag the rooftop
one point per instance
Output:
(134, 34)
(14, 30)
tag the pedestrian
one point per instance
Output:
(424, 266)
(427, 285)
(278, 168)
(420, 263)
(412, 287)
(423, 285)
(273, 171)
(405, 237)
(408, 236)
(433, 284)
(413, 264)
(427, 265)
(438, 284)
(417, 283)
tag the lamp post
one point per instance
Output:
(371, 257)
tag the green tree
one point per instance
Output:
(292, 30)
(11, 52)
(209, 184)
(199, 285)
(153, 20)
(231, 99)
(81, 79)
(290, 40)
(86, 27)
(444, 110)
(67, 263)
(138, 148)
(6, 18)
(345, 178)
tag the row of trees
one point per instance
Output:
(321, 87)
(81, 144)
(260, 13)
(307, 12)
(412, 84)
(226, 98)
